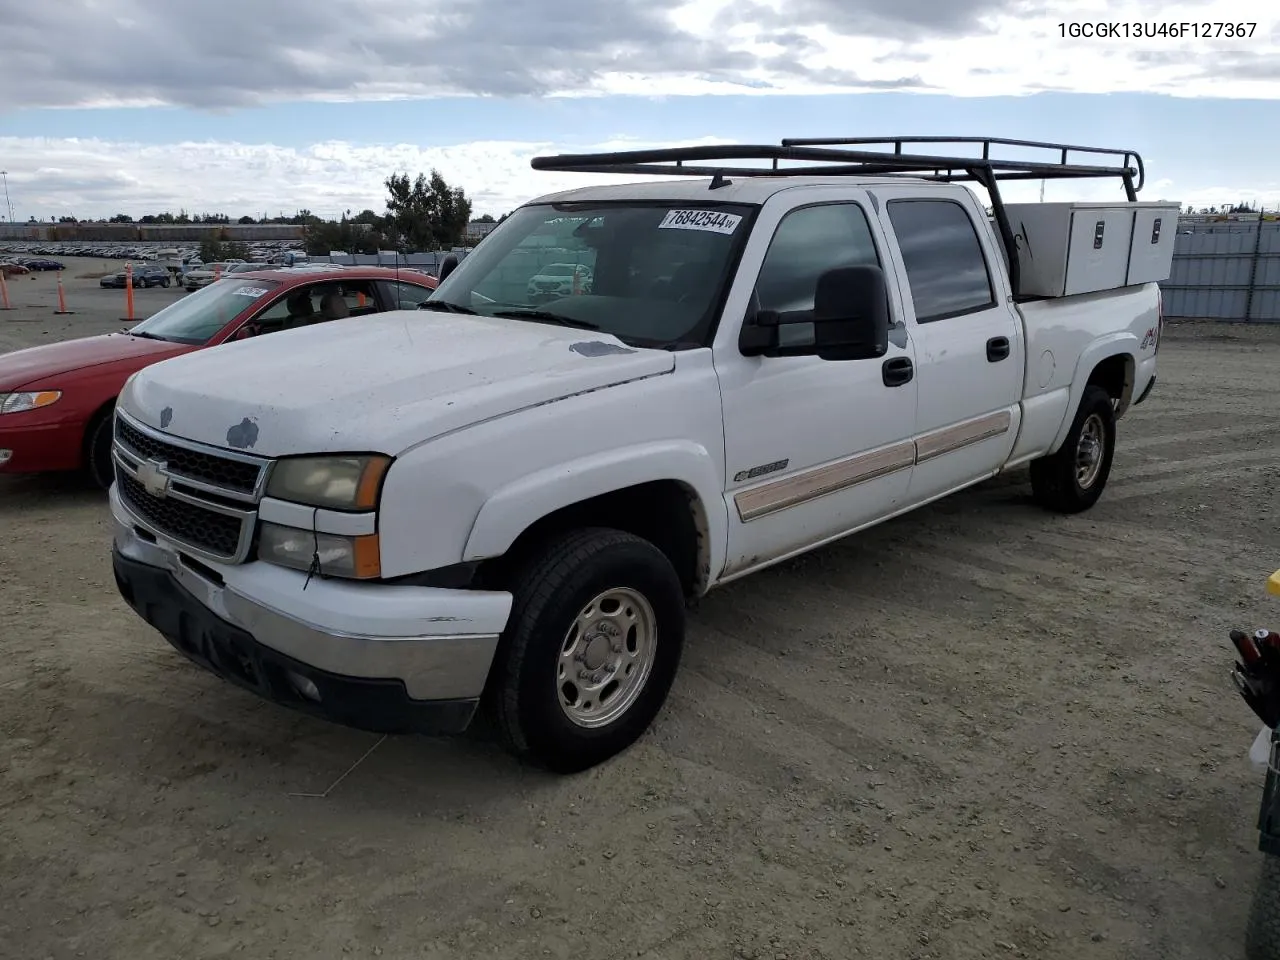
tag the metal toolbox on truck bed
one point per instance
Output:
(1070, 248)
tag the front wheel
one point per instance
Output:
(165, 283)
(1262, 938)
(591, 650)
(1073, 479)
(98, 463)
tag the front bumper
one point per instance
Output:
(382, 658)
(39, 447)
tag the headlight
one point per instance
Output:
(339, 483)
(334, 556)
(22, 402)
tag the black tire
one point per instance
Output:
(551, 588)
(1056, 480)
(165, 283)
(98, 466)
(1262, 936)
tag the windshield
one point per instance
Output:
(651, 274)
(198, 316)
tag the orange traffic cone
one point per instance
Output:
(62, 297)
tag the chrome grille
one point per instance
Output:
(200, 497)
(237, 475)
(215, 534)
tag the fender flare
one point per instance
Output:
(1115, 344)
(512, 509)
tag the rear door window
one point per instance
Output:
(946, 268)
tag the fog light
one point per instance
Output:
(305, 687)
(5, 457)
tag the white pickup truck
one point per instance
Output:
(392, 520)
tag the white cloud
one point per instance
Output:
(155, 52)
(162, 51)
(94, 178)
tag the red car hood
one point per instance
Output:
(21, 367)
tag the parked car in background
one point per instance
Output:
(557, 280)
(12, 269)
(40, 264)
(143, 276)
(56, 400)
(202, 276)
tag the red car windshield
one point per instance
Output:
(197, 317)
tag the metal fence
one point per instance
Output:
(1225, 271)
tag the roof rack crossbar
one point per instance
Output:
(1131, 159)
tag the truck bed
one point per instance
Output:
(1063, 337)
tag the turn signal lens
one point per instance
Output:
(22, 402)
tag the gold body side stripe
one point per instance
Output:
(950, 439)
(779, 495)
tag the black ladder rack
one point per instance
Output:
(832, 157)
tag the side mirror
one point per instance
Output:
(447, 266)
(849, 320)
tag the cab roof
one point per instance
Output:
(748, 190)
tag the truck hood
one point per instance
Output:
(381, 383)
(22, 367)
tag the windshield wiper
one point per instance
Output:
(143, 334)
(547, 316)
(446, 306)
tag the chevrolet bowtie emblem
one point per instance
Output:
(154, 477)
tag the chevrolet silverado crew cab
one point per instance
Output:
(506, 500)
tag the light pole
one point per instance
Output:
(7, 205)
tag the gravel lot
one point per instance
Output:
(977, 731)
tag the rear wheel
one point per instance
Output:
(592, 647)
(1073, 479)
(98, 465)
(1262, 937)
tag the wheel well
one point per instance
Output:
(91, 424)
(667, 513)
(1115, 375)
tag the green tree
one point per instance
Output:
(426, 213)
(211, 250)
(122, 218)
(236, 250)
(351, 236)
(246, 220)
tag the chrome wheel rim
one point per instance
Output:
(1089, 450)
(606, 657)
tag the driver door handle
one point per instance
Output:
(897, 371)
(997, 349)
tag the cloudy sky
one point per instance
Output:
(264, 106)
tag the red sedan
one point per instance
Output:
(56, 400)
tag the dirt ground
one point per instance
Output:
(977, 731)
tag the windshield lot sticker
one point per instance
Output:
(250, 291)
(711, 220)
